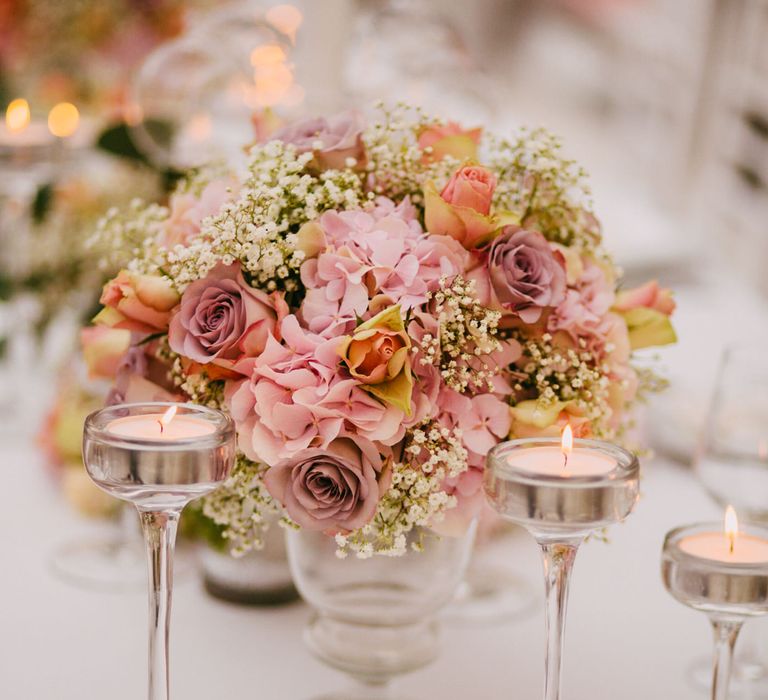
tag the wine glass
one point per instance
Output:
(732, 464)
(132, 452)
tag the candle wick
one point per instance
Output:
(162, 427)
(565, 461)
(732, 541)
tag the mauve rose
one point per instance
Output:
(332, 490)
(332, 140)
(525, 275)
(222, 318)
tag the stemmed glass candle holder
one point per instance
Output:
(561, 492)
(159, 456)
(723, 573)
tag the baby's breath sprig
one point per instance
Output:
(551, 374)
(417, 496)
(124, 236)
(397, 166)
(548, 191)
(466, 337)
(241, 506)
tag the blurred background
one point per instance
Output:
(664, 102)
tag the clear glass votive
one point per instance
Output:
(725, 577)
(561, 495)
(159, 456)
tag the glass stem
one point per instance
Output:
(160, 535)
(726, 632)
(558, 561)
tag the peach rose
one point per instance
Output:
(377, 355)
(135, 302)
(449, 139)
(649, 296)
(462, 209)
(646, 310)
(103, 350)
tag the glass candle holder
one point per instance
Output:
(159, 456)
(728, 581)
(560, 498)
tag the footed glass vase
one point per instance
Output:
(376, 618)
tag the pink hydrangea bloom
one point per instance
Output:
(582, 314)
(382, 252)
(277, 407)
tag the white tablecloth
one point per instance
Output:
(627, 639)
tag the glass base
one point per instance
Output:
(492, 594)
(372, 654)
(114, 565)
(107, 564)
(749, 678)
(358, 693)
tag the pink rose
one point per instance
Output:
(449, 139)
(462, 209)
(332, 490)
(471, 186)
(135, 302)
(222, 318)
(524, 274)
(332, 141)
(649, 296)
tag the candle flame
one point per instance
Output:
(566, 444)
(167, 418)
(17, 116)
(731, 525)
(63, 120)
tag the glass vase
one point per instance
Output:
(376, 618)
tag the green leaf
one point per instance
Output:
(396, 392)
(116, 140)
(41, 205)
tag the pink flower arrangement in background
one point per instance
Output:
(375, 329)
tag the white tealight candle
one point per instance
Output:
(550, 461)
(747, 549)
(160, 426)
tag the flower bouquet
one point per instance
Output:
(377, 304)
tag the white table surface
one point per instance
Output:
(627, 639)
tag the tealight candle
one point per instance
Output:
(582, 484)
(563, 461)
(160, 426)
(722, 572)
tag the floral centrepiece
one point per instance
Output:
(377, 305)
